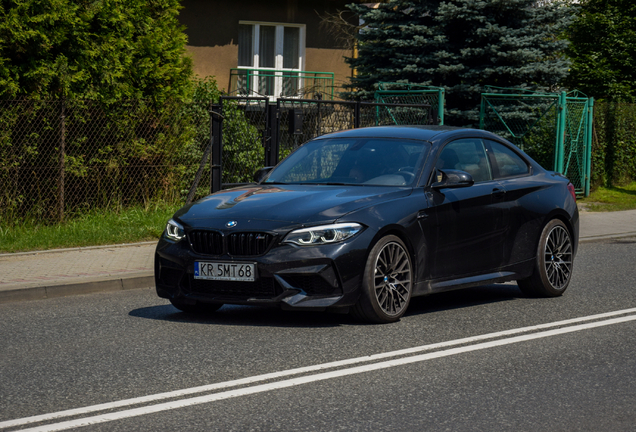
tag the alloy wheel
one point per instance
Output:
(392, 279)
(558, 257)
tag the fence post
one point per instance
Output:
(62, 157)
(216, 136)
(356, 115)
(482, 112)
(588, 155)
(319, 125)
(272, 141)
(440, 105)
(560, 138)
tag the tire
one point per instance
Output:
(387, 282)
(196, 308)
(553, 264)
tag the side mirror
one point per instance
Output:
(261, 174)
(452, 179)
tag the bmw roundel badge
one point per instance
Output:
(231, 224)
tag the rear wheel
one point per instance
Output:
(198, 308)
(387, 282)
(553, 266)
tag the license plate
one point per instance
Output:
(242, 272)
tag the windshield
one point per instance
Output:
(353, 161)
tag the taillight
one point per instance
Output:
(572, 191)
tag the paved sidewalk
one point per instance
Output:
(603, 225)
(63, 272)
(58, 273)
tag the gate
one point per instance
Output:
(555, 129)
(409, 94)
(253, 132)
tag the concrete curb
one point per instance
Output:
(591, 239)
(49, 251)
(146, 280)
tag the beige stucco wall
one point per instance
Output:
(215, 61)
(218, 60)
(329, 60)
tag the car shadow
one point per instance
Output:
(464, 298)
(254, 316)
(259, 316)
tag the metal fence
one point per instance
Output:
(254, 132)
(555, 129)
(67, 156)
(412, 94)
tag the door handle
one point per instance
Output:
(498, 193)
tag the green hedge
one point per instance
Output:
(614, 144)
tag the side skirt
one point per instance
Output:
(514, 272)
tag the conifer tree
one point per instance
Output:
(463, 46)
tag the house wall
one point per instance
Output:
(212, 29)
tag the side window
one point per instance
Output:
(509, 163)
(467, 155)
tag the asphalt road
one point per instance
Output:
(79, 352)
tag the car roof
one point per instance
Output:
(427, 133)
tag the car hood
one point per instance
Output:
(289, 204)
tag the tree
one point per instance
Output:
(461, 45)
(107, 50)
(603, 50)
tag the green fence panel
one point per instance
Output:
(410, 94)
(553, 128)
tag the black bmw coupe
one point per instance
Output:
(365, 219)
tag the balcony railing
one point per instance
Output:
(282, 83)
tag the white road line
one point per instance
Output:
(318, 377)
(307, 369)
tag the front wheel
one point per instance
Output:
(553, 265)
(196, 308)
(387, 282)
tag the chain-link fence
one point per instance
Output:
(525, 120)
(553, 128)
(58, 158)
(67, 156)
(575, 161)
(303, 119)
(255, 132)
(405, 94)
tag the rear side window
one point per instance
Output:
(467, 155)
(509, 163)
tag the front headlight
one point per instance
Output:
(325, 234)
(174, 230)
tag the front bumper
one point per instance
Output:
(289, 276)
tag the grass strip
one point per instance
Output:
(611, 198)
(97, 227)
